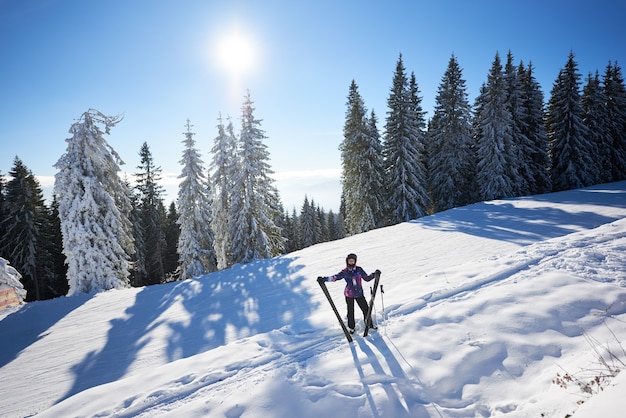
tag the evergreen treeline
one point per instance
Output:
(99, 232)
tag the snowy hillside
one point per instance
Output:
(483, 307)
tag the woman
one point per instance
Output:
(353, 275)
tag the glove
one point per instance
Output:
(377, 271)
(321, 279)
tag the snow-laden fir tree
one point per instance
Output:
(151, 216)
(595, 119)
(25, 222)
(195, 242)
(521, 146)
(569, 145)
(223, 168)
(355, 133)
(94, 208)
(172, 233)
(615, 93)
(494, 138)
(254, 203)
(451, 161)
(404, 150)
(309, 224)
(373, 173)
(534, 129)
(360, 191)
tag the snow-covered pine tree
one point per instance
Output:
(223, 167)
(57, 284)
(94, 208)
(534, 128)
(355, 142)
(151, 216)
(172, 233)
(195, 242)
(373, 172)
(335, 226)
(521, 146)
(309, 224)
(595, 119)
(253, 199)
(569, 145)
(451, 160)
(25, 223)
(404, 150)
(615, 93)
(494, 138)
(323, 223)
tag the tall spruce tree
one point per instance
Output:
(172, 234)
(356, 138)
(254, 201)
(151, 217)
(595, 119)
(25, 223)
(58, 285)
(195, 242)
(615, 94)
(494, 138)
(521, 146)
(569, 145)
(535, 150)
(309, 224)
(404, 150)
(94, 208)
(223, 168)
(450, 152)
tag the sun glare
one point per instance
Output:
(236, 52)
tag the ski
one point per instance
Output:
(332, 304)
(368, 319)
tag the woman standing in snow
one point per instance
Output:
(353, 275)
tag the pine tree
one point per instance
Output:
(373, 171)
(150, 216)
(534, 129)
(494, 137)
(450, 154)
(195, 242)
(254, 203)
(172, 234)
(94, 208)
(521, 147)
(595, 119)
(355, 142)
(615, 93)
(223, 168)
(569, 146)
(58, 285)
(24, 242)
(335, 226)
(404, 150)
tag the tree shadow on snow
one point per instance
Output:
(505, 222)
(31, 323)
(189, 317)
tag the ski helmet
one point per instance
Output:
(351, 256)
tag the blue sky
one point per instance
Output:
(156, 62)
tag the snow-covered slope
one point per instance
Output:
(482, 307)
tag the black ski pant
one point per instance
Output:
(362, 302)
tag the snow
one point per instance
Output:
(482, 307)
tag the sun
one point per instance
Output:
(236, 52)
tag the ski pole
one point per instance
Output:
(382, 299)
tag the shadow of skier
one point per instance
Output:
(403, 399)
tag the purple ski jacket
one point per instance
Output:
(353, 277)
